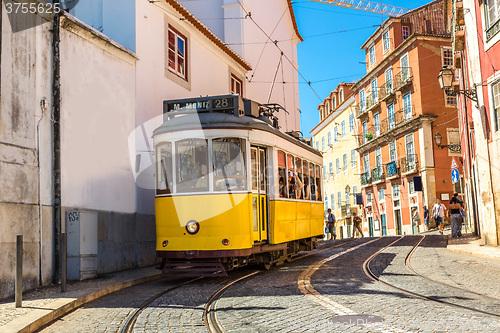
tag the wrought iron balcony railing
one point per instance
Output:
(409, 164)
(392, 169)
(365, 178)
(403, 78)
(361, 110)
(378, 174)
(371, 101)
(386, 90)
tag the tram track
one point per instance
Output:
(371, 275)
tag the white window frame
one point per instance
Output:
(344, 160)
(339, 200)
(396, 193)
(495, 94)
(336, 134)
(378, 156)
(381, 198)
(393, 149)
(179, 54)
(342, 128)
(353, 158)
(376, 124)
(386, 41)
(337, 165)
(374, 90)
(371, 53)
(351, 123)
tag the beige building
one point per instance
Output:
(335, 137)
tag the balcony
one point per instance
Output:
(367, 135)
(392, 170)
(371, 101)
(378, 175)
(386, 91)
(409, 164)
(360, 110)
(404, 78)
(365, 178)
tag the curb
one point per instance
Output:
(475, 254)
(40, 317)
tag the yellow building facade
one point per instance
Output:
(336, 137)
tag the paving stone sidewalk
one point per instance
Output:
(45, 304)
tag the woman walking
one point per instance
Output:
(456, 218)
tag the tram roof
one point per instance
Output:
(214, 120)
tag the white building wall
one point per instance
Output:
(209, 67)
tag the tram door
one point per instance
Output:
(259, 199)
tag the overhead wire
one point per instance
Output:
(276, 45)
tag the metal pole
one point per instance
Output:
(63, 261)
(19, 271)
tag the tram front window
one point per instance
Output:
(228, 155)
(191, 165)
(164, 173)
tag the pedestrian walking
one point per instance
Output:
(331, 224)
(438, 212)
(456, 218)
(426, 217)
(356, 221)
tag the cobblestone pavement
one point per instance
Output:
(309, 295)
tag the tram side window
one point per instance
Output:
(229, 164)
(255, 170)
(318, 183)
(306, 190)
(313, 182)
(191, 156)
(164, 174)
(299, 183)
(290, 177)
(282, 174)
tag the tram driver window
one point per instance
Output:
(228, 155)
(282, 174)
(191, 165)
(164, 173)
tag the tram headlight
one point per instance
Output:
(225, 242)
(165, 243)
(192, 227)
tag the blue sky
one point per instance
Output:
(330, 53)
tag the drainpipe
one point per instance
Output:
(56, 116)
(43, 107)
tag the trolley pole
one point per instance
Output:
(19, 271)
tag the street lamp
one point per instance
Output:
(454, 148)
(445, 79)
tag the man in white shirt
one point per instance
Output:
(438, 212)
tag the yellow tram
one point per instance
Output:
(231, 189)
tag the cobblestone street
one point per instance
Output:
(311, 293)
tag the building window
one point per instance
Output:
(322, 143)
(330, 169)
(369, 199)
(341, 96)
(453, 139)
(324, 174)
(345, 161)
(388, 81)
(392, 151)
(337, 165)
(381, 194)
(353, 158)
(334, 103)
(339, 200)
(496, 104)
(372, 54)
(366, 162)
(351, 123)
(317, 145)
(378, 157)
(362, 102)
(395, 191)
(446, 57)
(408, 114)
(176, 52)
(365, 131)
(342, 128)
(332, 201)
(450, 98)
(406, 32)
(391, 116)
(355, 189)
(411, 187)
(335, 134)
(236, 86)
(492, 17)
(386, 41)
(376, 121)
(329, 138)
(374, 91)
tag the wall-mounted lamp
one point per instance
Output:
(456, 148)
(445, 79)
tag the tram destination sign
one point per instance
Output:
(225, 103)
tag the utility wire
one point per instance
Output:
(276, 44)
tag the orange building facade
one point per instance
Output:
(399, 110)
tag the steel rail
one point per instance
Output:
(129, 323)
(368, 272)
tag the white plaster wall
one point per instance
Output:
(209, 69)
(97, 116)
(245, 37)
